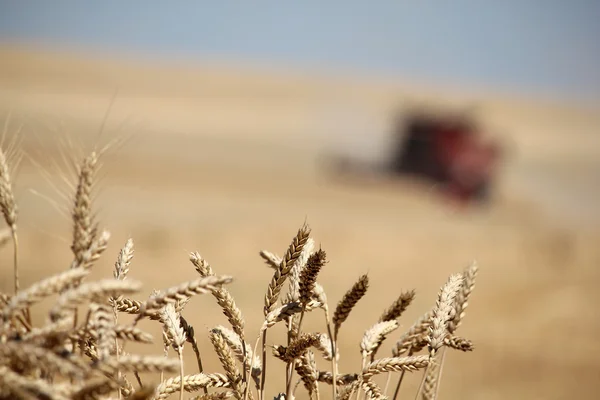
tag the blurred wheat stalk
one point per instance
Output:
(75, 357)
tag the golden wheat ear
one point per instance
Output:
(442, 313)
(7, 199)
(191, 383)
(374, 336)
(397, 308)
(84, 227)
(345, 306)
(308, 276)
(462, 297)
(222, 295)
(8, 205)
(183, 292)
(284, 269)
(293, 294)
(42, 289)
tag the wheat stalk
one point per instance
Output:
(190, 337)
(120, 273)
(175, 336)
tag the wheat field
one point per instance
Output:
(225, 162)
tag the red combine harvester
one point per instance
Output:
(446, 151)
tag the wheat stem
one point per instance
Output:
(264, 366)
(333, 352)
(190, 336)
(291, 363)
(439, 376)
(246, 390)
(410, 353)
(15, 258)
(180, 353)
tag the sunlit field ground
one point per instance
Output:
(226, 162)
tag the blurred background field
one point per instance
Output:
(226, 158)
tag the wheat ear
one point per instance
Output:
(442, 313)
(374, 336)
(227, 361)
(131, 362)
(228, 305)
(182, 293)
(84, 227)
(104, 323)
(307, 370)
(42, 289)
(224, 298)
(27, 356)
(459, 343)
(308, 276)
(283, 270)
(215, 396)
(271, 259)
(411, 363)
(190, 383)
(345, 306)
(242, 351)
(462, 297)
(25, 388)
(294, 277)
(395, 310)
(9, 208)
(92, 291)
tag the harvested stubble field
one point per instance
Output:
(223, 163)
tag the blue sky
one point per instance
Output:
(548, 48)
